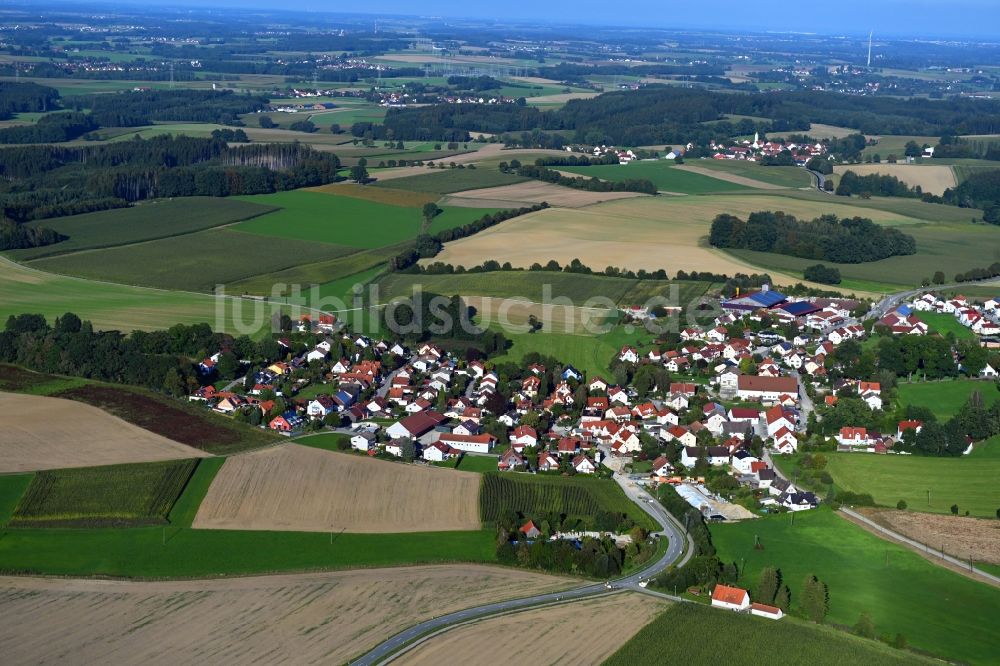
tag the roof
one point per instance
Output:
(764, 608)
(769, 384)
(799, 308)
(729, 595)
(767, 298)
(421, 422)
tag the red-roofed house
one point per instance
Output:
(731, 598)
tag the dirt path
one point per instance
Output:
(583, 632)
(39, 433)
(323, 618)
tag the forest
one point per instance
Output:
(133, 109)
(846, 241)
(53, 128)
(26, 98)
(875, 184)
(51, 181)
(664, 114)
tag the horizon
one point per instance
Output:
(906, 19)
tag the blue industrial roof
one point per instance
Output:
(904, 310)
(799, 308)
(767, 298)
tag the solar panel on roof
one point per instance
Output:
(767, 298)
(799, 308)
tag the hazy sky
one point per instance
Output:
(927, 18)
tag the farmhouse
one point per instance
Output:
(470, 443)
(416, 425)
(730, 598)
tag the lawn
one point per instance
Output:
(945, 398)
(667, 639)
(534, 496)
(481, 464)
(943, 323)
(111, 496)
(324, 217)
(662, 174)
(935, 609)
(451, 180)
(193, 262)
(970, 482)
(145, 221)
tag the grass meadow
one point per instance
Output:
(143, 222)
(662, 173)
(945, 398)
(969, 481)
(781, 176)
(667, 639)
(943, 323)
(112, 496)
(192, 262)
(937, 610)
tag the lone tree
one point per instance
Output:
(431, 211)
(359, 174)
(865, 627)
(768, 586)
(901, 505)
(954, 509)
(814, 599)
(783, 599)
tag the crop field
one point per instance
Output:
(560, 635)
(931, 178)
(532, 192)
(384, 195)
(820, 131)
(318, 617)
(943, 323)
(175, 420)
(926, 484)
(116, 307)
(945, 398)
(322, 217)
(38, 433)
(667, 639)
(507, 312)
(902, 591)
(193, 262)
(114, 496)
(145, 221)
(532, 495)
(451, 180)
(896, 145)
(651, 233)
(776, 177)
(663, 174)
(964, 537)
(299, 488)
(530, 285)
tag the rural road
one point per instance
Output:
(677, 552)
(923, 548)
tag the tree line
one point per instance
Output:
(876, 184)
(52, 128)
(43, 181)
(642, 185)
(848, 241)
(132, 109)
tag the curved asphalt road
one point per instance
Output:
(676, 552)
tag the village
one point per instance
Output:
(705, 411)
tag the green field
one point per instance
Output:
(667, 639)
(119, 307)
(146, 221)
(662, 173)
(193, 262)
(538, 495)
(112, 496)
(940, 322)
(945, 398)
(319, 217)
(937, 610)
(449, 181)
(178, 551)
(781, 176)
(969, 481)
(186, 507)
(589, 354)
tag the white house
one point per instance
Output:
(770, 612)
(363, 441)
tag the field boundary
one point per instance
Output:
(932, 555)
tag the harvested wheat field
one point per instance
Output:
(931, 178)
(532, 192)
(563, 634)
(38, 433)
(309, 618)
(963, 537)
(646, 232)
(298, 488)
